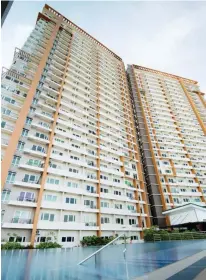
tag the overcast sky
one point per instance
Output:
(167, 36)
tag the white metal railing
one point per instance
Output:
(102, 248)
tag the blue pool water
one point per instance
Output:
(61, 264)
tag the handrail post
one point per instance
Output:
(101, 249)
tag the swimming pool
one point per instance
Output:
(53, 264)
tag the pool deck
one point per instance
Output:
(193, 266)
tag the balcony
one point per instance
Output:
(119, 227)
(58, 225)
(7, 128)
(18, 223)
(34, 152)
(116, 211)
(21, 221)
(23, 202)
(24, 184)
(4, 142)
(69, 207)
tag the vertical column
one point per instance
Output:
(98, 152)
(193, 106)
(46, 165)
(202, 98)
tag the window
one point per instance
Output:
(15, 161)
(128, 183)
(34, 162)
(91, 189)
(104, 220)
(119, 221)
(72, 184)
(104, 190)
(47, 217)
(49, 197)
(69, 218)
(24, 132)
(104, 204)
(5, 195)
(135, 176)
(52, 181)
(30, 178)
(22, 217)
(73, 170)
(38, 149)
(68, 239)
(134, 237)
(132, 222)
(26, 196)
(2, 215)
(89, 203)
(11, 177)
(104, 177)
(20, 146)
(117, 193)
(28, 121)
(71, 200)
(43, 239)
(3, 124)
(131, 207)
(118, 206)
(17, 239)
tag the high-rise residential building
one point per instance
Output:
(170, 117)
(70, 161)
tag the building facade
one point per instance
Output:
(70, 160)
(170, 119)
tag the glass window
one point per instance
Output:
(28, 121)
(15, 161)
(10, 177)
(5, 195)
(20, 146)
(25, 132)
(49, 197)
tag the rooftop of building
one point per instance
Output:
(81, 30)
(154, 71)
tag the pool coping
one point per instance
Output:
(171, 269)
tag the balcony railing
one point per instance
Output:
(29, 199)
(21, 221)
(29, 181)
(5, 141)
(91, 224)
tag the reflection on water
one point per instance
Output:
(60, 264)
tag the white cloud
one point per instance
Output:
(15, 38)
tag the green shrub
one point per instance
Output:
(95, 240)
(48, 245)
(12, 246)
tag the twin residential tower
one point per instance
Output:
(89, 149)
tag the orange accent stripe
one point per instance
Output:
(99, 232)
(202, 99)
(44, 175)
(193, 106)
